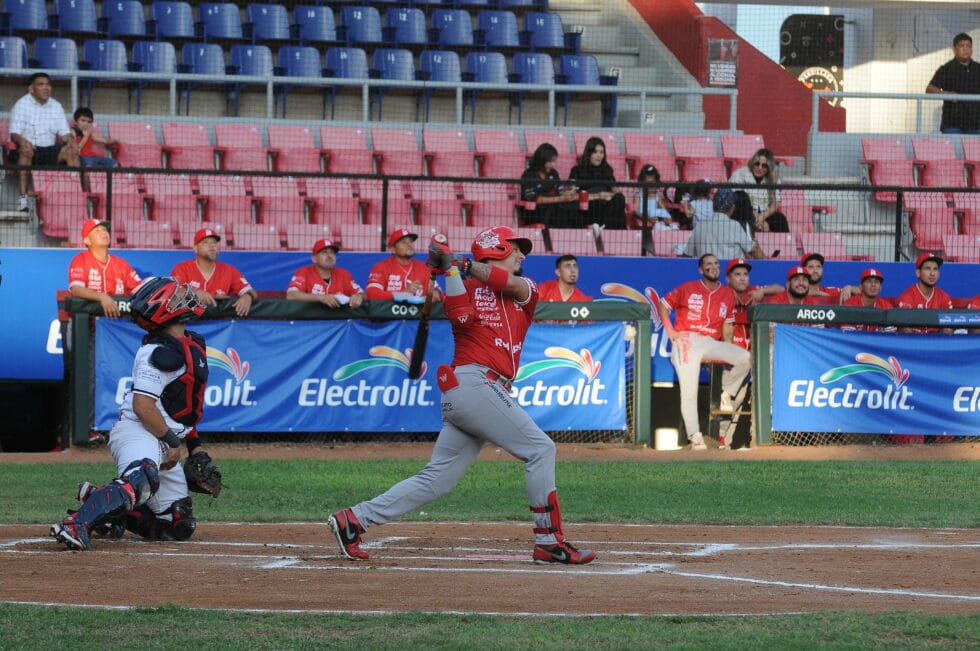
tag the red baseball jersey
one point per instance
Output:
(550, 292)
(498, 336)
(225, 280)
(390, 276)
(913, 298)
(701, 310)
(308, 279)
(783, 298)
(114, 276)
(858, 301)
(974, 303)
(740, 313)
(833, 295)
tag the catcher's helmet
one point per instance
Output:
(497, 243)
(160, 301)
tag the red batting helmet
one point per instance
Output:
(497, 243)
(161, 301)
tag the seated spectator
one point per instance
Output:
(95, 275)
(697, 204)
(87, 139)
(555, 203)
(212, 279)
(868, 296)
(39, 129)
(594, 175)
(563, 288)
(400, 276)
(323, 281)
(656, 203)
(762, 170)
(744, 214)
(720, 234)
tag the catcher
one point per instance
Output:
(150, 496)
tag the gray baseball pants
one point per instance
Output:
(688, 353)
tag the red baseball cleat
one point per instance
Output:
(348, 532)
(562, 552)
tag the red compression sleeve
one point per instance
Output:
(498, 279)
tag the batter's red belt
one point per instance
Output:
(494, 376)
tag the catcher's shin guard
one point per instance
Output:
(547, 520)
(176, 523)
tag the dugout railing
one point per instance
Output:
(80, 315)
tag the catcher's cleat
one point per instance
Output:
(562, 552)
(348, 532)
(73, 534)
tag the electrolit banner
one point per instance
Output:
(825, 380)
(334, 376)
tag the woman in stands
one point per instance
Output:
(593, 174)
(761, 170)
(656, 201)
(555, 203)
(744, 212)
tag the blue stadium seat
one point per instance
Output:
(200, 59)
(539, 4)
(392, 65)
(583, 70)
(255, 60)
(55, 54)
(484, 68)
(360, 24)
(20, 16)
(267, 22)
(299, 61)
(13, 52)
(406, 26)
(123, 18)
(453, 26)
(220, 21)
(530, 68)
(152, 56)
(170, 19)
(314, 24)
(498, 29)
(545, 30)
(104, 55)
(437, 65)
(345, 63)
(75, 17)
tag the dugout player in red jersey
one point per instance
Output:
(323, 281)
(212, 279)
(924, 294)
(813, 263)
(746, 295)
(95, 275)
(401, 273)
(490, 307)
(797, 290)
(563, 288)
(869, 296)
(974, 303)
(703, 330)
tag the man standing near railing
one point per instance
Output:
(960, 75)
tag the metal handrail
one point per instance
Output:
(918, 97)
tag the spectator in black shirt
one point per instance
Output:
(960, 75)
(555, 204)
(593, 174)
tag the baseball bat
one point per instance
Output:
(422, 334)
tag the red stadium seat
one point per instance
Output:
(962, 248)
(447, 153)
(280, 203)
(498, 140)
(151, 235)
(669, 244)
(302, 236)
(783, 243)
(971, 156)
(188, 146)
(622, 243)
(295, 149)
(574, 241)
(260, 237)
(226, 199)
(930, 219)
(361, 237)
(556, 137)
(830, 245)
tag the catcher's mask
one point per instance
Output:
(161, 301)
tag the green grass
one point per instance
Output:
(878, 493)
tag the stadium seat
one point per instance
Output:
(53, 54)
(152, 56)
(220, 22)
(490, 204)
(437, 66)
(438, 214)
(188, 146)
(561, 141)
(650, 149)
(75, 17)
(123, 19)
(26, 17)
(782, 246)
(314, 24)
(583, 70)
(300, 237)
(231, 135)
(497, 30)
(405, 26)
(502, 165)
(127, 197)
(535, 68)
(332, 201)
(930, 219)
(362, 237)
(226, 199)
(253, 159)
(536, 235)
(574, 241)
(200, 59)
(295, 149)
(498, 140)
(453, 28)
(484, 68)
(345, 63)
(13, 52)
(172, 198)
(447, 153)
(392, 64)
(831, 245)
(347, 149)
(252, 60)
(266, 22)
(62, 207)
(360, 24)
(962, 248)
(669, 244)
(698, 159)
(971, 156)
(932, 149)
(171, 20)
(151, 235)
(300, 61)
(401, 210)
(938, 164)
(397, 152)
(280, 203)
(255, 237)
(124, 224)
(886, 163)
(140, 147)
(544, 30)
(622, 243)
(106, 56)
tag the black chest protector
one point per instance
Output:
(183, 398)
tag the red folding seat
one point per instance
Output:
(361, 237)
(226, 199)
(301, 237)
(490, 204)
(151, 235)
(240, 147)
(256, 237)
(498, 140)
(61, 205)
(971, 156)
(347, 150)
(779, 245)
(669, 244)
(574, 241)
(649, 149)
(698, 158)
(172, 198)
(139, 145)
(930, 219)
(294, 148)
(557, 138)
(887, 163)
(447, 153)
(397, 152)
(962, 248)
(188, 146)
(622, 243)
(830, 245)
(333, 201)
(280, 203)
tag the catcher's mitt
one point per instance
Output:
(202, 475)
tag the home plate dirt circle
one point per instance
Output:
(486, 568)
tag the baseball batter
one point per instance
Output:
(703, 331)
(158, 413)
(490, 313)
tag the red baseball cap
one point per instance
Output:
(398, 234)
(925, 257)
(91, 224)
(325, 244)
(810, 256)
(737, 262)
(797, 271)
(205, 232)
(871, 273)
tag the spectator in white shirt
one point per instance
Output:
(40, 130)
